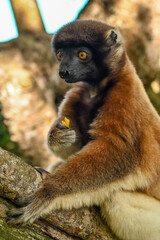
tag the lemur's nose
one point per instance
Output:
(63, 73)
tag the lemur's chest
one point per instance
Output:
(87, 114)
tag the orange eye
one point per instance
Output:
(82, 55)
(59, 56)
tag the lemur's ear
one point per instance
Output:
(113, 36)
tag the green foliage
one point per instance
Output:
(155, 99)
(5, 138)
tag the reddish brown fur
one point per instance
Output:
(118, 131)
(123, 136)
(117, 128)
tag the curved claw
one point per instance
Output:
(15, 211)
(26, 214)
(61, 126)
(15, 221)
(24, 201)
(43, 172)
(15, 216)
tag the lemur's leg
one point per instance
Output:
(133, 216)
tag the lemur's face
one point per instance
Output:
(88, 51)
(77, 64)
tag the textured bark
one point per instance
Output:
(17, 181)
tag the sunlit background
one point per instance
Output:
(54, 15)
(8, 27)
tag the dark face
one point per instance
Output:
(77, 64)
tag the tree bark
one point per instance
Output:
(17, 181)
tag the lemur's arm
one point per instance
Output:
(74, 183)
(62, 141)
(75, 99)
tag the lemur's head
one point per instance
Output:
(88, 51)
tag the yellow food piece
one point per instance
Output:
(66, 122)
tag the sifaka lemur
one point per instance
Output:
(112, 146)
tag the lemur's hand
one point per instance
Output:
(60, 137)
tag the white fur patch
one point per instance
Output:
(133, 216)
(98, 197)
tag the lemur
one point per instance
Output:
(112, 146)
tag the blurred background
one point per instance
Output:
(30, 88)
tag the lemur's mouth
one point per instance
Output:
(70, 80)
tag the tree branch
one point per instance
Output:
(18, 180)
